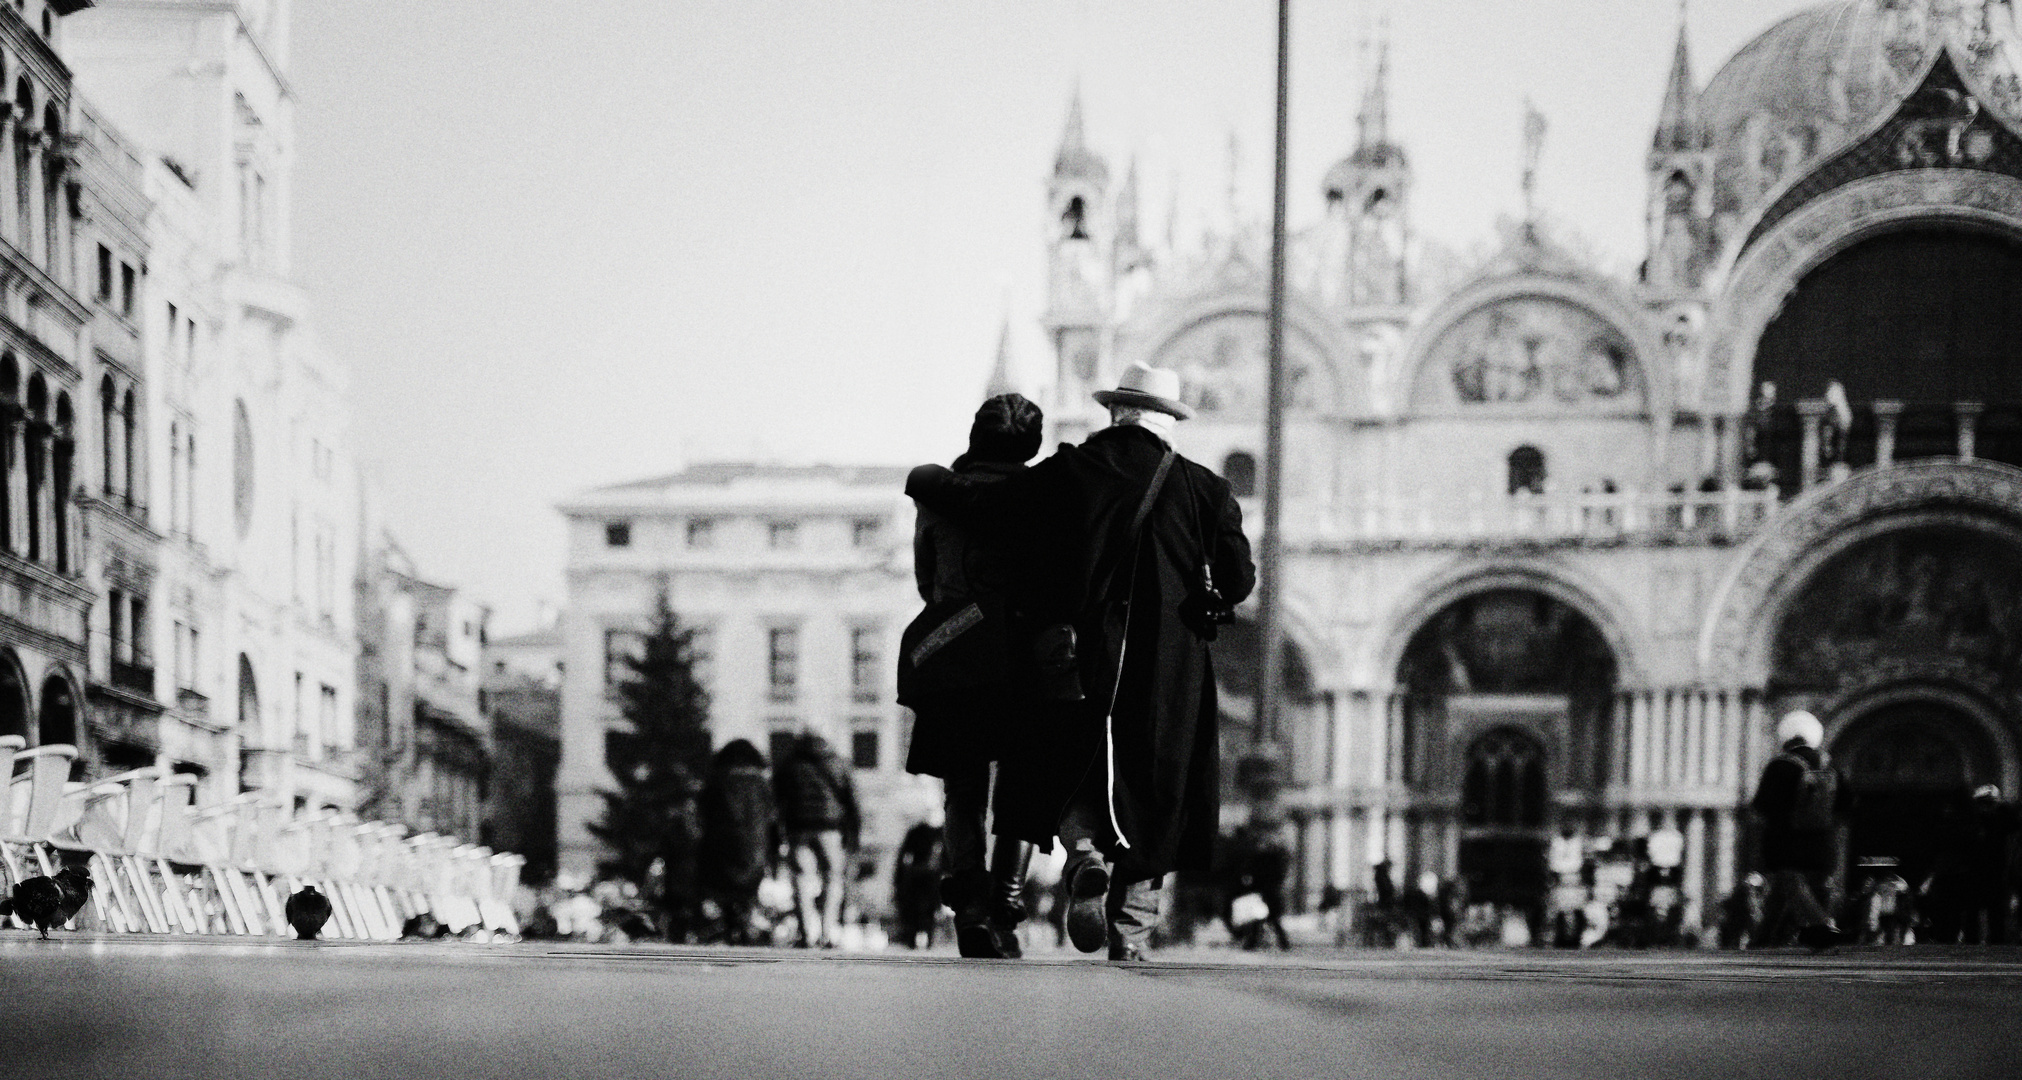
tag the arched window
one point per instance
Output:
(62, 462)
(24, 188)
(108, 432)
(1505, 781)
(36, 458)
(58, 720)
(249, 699)
(1527, 470)
(175, 488)
(128, 422)
(1075, 219)
(10, 457)
(49, 187)
(1240, 470)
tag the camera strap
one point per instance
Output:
(1123, 644)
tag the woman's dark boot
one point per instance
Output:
(1009, 865)
(968, 894)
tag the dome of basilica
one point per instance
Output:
(1802, 87)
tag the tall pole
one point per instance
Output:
(1272, 659)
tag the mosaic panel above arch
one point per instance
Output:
(1531, 352)
(1221, 358)
(1748, 607)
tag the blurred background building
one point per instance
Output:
(520, 693)
(797, 581)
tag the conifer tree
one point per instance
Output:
(658, 759)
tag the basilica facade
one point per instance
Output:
(1560, 546)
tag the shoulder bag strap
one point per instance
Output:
(1123, 647)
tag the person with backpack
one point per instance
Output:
(1131, 559)
(738, 836)
(1802, 802)
(817, 805)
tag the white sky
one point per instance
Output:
(571, 244)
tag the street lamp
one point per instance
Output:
(1261, 770)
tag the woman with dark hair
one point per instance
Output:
(739, 835)
(958, 734)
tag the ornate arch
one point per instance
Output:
(1555, 579)
(1580, 290)
(1766, 274)
(1348, 389)
(1748, 606)
(1979, 705)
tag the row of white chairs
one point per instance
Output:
(162, 864)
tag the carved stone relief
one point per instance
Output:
(1530, 350)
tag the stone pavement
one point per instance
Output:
(84, 1006)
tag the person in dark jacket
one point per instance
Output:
(1129, 775)
(739, 835)
(1987, 887)
(1802, 802)
(818, 815)
(958, 734)
(916, 887)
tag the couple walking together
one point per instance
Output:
(1069, 609)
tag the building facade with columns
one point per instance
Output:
(797, 580)
(1559, 545)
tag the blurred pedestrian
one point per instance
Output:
(957, 675)
(916, 885)
(1132, 559)
(1265, 864)
(1379, 918)
(1988, 885)
(1420, 908)
(818, 814)
(1802, 802)
(740, 836)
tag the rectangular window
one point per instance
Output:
(701, 532)
(104, 274)
(866, 664)
(617, 534)
(174, 324)
(864, 532)
(190, 341)
(782, 664)
(332, 738)
(864, 744)
(304, 738)
(137, 631)
(782, 535)
(126, 289)
(619, 647)
(115, 626)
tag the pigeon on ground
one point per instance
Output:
(307, 911)
(43, 902)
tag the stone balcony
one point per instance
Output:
(1433, 516)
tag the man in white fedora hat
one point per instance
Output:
(1132, 555)
(1802, 802)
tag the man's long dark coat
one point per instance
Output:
(1069, 515)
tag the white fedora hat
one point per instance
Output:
(1147, 387)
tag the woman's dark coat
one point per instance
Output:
(1785, 846)
(739, 827)
(960, 731)
(1067, 516)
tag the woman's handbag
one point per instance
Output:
(954, 646)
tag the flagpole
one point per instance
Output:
(1271, 660)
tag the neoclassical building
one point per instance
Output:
(1560, 546)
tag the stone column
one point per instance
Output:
(1886, 414)
(1725, 853)
(1811, 413)
(1968, 417)
(1639, 740)
(1695, 864)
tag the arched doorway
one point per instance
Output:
(13, 699)
(1506, 703)
(1923, 316)
(57, 722)
(1907, 642)
(1913, 765)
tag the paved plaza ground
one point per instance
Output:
(84, 1006)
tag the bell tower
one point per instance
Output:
(1680, 215)
(1368, 201)
(1080, 273)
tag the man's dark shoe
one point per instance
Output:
(1087, 889)
(968, 893)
